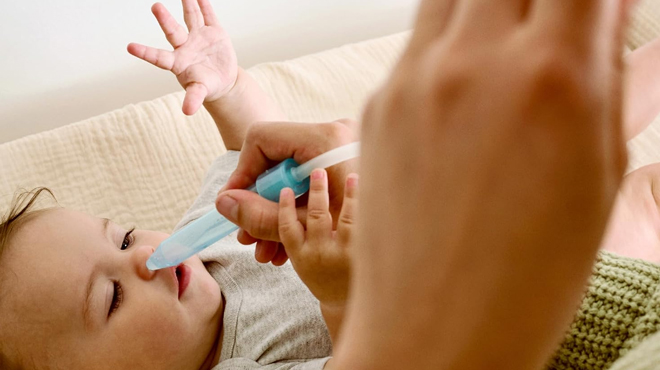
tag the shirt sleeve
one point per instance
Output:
(621, 308)
(216, 177)
(245, 364)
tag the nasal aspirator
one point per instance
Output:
(208, 229)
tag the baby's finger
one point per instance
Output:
(292, 233)
(207, 11)
(160, 58)
(192, 15)
(175, 33)
(319, 221)
(195, 95)
(348, 215)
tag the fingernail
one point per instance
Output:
(352, 181)
(317, 174)
(228, 207)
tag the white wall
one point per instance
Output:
(63, 61)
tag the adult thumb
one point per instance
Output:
(251, 212)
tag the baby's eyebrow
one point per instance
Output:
(106, 225)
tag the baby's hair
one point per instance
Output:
(20, 210)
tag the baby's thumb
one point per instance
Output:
(195, 95)
(251, 212)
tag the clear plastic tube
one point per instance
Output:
(327, 159)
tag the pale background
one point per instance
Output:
(63, 61)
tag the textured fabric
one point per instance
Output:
(271, 320)
(619, 310)
(645, 24)
(143, 164)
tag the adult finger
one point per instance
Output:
(192, 15)
(175, 34)
(267, 144)
(319, 221)
(292, 233)
(160, 58)
(280, 257)
(433, 18)
(208, 13)
(245, 238)
(587, 24)
(254, 214)
(265, 251)
(195, 95)
(492, 17)
(348, 215)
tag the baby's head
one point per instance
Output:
(75, 293)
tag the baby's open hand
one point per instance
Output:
(203, 59)
(320, 255)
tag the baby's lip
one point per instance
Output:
(182, 274)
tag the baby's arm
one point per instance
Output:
(643, 84)
(320, 255)
(245, 104)
(204, 62)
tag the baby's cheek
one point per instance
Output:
(163, 335)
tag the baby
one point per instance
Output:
(89, 302)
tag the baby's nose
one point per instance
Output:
(139, 259)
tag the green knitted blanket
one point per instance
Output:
(620, 310)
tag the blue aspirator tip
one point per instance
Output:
(208, 229)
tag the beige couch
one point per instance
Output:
(142, 165)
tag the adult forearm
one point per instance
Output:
(245, 104)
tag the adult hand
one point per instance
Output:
(267, 144)
(490, 161)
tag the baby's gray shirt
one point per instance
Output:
(271, 320)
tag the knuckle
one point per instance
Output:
(558, 76)
(338, 133)
(317, 214)
(285, 227)
(451, 82)
(259, 225)
(347, 219)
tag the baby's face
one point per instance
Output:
(72, 297)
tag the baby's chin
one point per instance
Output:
(200, 273)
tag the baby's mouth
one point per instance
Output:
(183, 274)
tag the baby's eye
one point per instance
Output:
(117, 297)
(128, 240)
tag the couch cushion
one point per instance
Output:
(142, 165)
